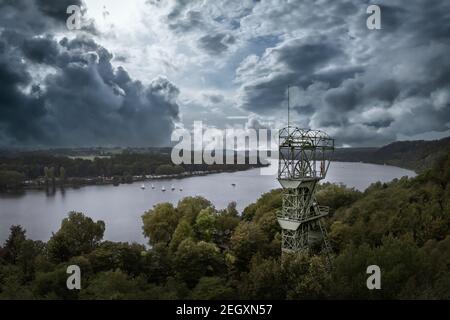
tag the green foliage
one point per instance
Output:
(28, 252)
(10, 179)
(268, 202)
(225, 224)
(247, 240)
(182, 232)
(264, 213)
(160, 223)
(13, 243)
(337, 196)
(212, 288)
(111, 285)
(173, 289)
(396, 208)
(194, 260)
(205, 224)
(263, 280)
(111, 256)
(78, 235)
(62, 173)
(158, 264)
(52, 285)
(399, 259)
(12, 285)
(249, 212)
(190, 207)
(169, 169)
(231, 209)
(437, 269)
(306, 277)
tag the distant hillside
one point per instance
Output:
(416, 155)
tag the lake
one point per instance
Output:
(121, 207)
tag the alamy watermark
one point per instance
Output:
(74, 280)
(211, 146)
(373, 22)
(73, 21)
(75, 12)
(374, 280)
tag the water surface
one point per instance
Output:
(121, 207)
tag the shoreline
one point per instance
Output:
(76, 183)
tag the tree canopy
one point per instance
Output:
(199, 252)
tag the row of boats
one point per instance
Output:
(172, 188)
(162, 189)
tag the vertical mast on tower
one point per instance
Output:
(304, 158)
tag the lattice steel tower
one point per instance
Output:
(303, 161)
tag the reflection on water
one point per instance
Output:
(121, 207)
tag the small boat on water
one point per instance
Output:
(181, 189)
(233, 184)
(173, 188)
(143, 186)
(163, 189)
(153, 187)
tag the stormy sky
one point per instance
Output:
(138, 69)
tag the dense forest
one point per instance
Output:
(416, 155)
(198, 252)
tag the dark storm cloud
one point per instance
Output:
(380, 123)
(373, 85)
(56, 8)
(67, 93)
(345, 97)
(307, 54)
(16, 107)
(178, 8)
(217, 43)
(306, 109)
(182, 18)
(40, 50)
(106, 105)
(299, 58)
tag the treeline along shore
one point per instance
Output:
(91, 166)
(53, 168)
